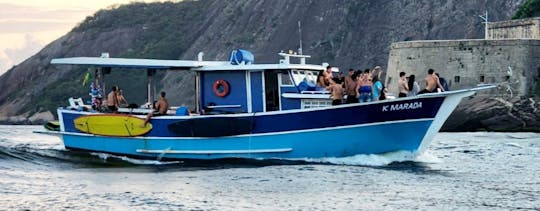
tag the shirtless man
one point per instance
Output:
(350, 86)
(112, 100)
(403, 87)
(122, 102)
(324, 77)
(336, 92)
(160, 108)
(432, 82)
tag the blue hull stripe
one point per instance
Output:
(420, 108)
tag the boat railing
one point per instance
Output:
(224, 106)
(315, 92)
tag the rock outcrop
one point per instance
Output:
(25, 119)
(495, 114)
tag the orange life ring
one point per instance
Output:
(221, 88)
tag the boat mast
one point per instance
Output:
(300, 35)
(149, 74)
(197, 93)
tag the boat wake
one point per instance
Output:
(378, 159)
(55, 154)
(105, 157)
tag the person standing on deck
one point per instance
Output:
(413, 86)
(112, 100)
(350, 87)
(432, 82)
(402, 84)
(336, 93)
(443, 82)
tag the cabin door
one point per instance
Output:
(271, 90)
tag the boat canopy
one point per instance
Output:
(194, 65)
(136, 63)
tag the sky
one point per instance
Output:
(27, 26)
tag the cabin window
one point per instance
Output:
(456, 78)
(312, 76)
(482, 78)
(286, 79)
(308, 75)
(315, 103)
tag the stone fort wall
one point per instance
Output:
(515, 29)
(467, 63)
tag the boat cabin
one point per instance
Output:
(236, 86)
(245, 87)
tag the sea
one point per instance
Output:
(459, 171)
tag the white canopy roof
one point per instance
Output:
(136, 63)
(177, 64)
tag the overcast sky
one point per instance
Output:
(27, 26)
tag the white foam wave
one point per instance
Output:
(513, 144)
(378, 159)
(106, 156)
(427, 157)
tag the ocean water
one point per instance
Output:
(460, 171)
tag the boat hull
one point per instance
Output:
(314, 143)
(407, 124)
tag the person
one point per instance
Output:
(336, 93)
(413, 85)
(402, 84)
(376, 72)
(112, 100)
(432, 82)
(160, 108)
(122, 102)
(96, 93)
(324, 77)
(377, 89)
(443, 82)
(320, 80)
(339, 79)
(350, 87)
(364, 87)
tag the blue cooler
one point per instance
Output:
(241, 57)
(306, 86)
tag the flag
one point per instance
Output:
(86, 78)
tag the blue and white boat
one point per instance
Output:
(263, 111)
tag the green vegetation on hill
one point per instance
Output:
(531, 8)
(56, 93)
(161, 26)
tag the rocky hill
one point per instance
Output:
(348, 34)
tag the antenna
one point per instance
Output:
(300, 35)
(485, 18)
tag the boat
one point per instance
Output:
(256, 111)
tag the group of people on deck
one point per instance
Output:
(359, 86)
(366, 86)
(408, 86)
(115, 99)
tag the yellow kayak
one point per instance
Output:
(112, 125)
